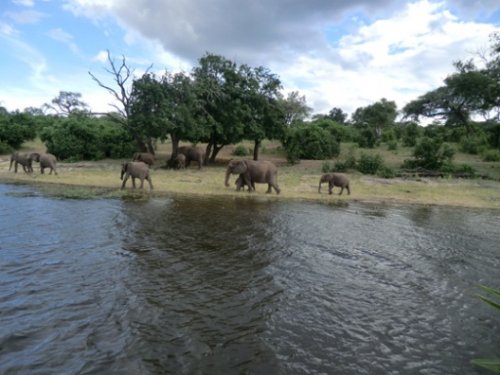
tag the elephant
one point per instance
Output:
(335, 179)
(145, 157)
(46, 160)
(180, 161)
(23, 159)
(136, 169)
(191, 153)
(251, 172)
(240, 183)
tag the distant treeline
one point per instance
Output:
(221, 103)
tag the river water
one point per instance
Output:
(187, 285)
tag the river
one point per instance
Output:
(188, 285)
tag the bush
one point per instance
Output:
(369, 164)
(411, 132)
(392, 145)
(16, 128)
(310, 142)
(431, 154)
(241, 150)
(386, 172)
(491, 155)
(473, 145)
(5, 148)
(83, 138)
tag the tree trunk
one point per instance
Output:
(175, 145)
(215, 151)
(140, 144)
(256, 149)
(208, 150)
(150, 147)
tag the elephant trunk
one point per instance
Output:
(226, 181)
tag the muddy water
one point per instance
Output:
(230, 286)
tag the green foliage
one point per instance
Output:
(411, 133)
(241, 150)
(491, 155)
(473, 144)
(367, 138)
(16, 128)
(370, 164)
(84, 138)
(5, 148)
(341, 133)
(392, 145)
(451, 168)
(430, 154)
(310, 142)
(493, 300)
(386, 172)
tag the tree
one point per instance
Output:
(376, 116)
(147, 110)
(218, 87)
(295, 108)
(262, 114)
(122, 75)
(183, 110)
(68, 103)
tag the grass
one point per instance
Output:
(298, 182)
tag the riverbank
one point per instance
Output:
(298, 182)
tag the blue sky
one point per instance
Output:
(336, 53)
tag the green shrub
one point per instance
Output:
(431, 154)
(473, 145)
(241, 150)
(5, 148)
(310, 142)
(491, 155)
(369, 164)
(386, 172)
(392, 145)
(84, 138)
(326, 167)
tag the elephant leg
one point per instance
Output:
(276, 188)
(42, 170)
(124, 181)
(15, 167)
(150, 182)
(341, 190)
(269, 189)
(330, 187)
(133, 182)
(142, 183)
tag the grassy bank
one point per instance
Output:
(298, 182)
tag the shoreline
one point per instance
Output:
(78, 180)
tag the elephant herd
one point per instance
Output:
(249, 172)
(46, 160)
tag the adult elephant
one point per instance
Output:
(46, 160)
(23, 159)
(145, 157)
(251, 172)
(191, 153)
(135, 169)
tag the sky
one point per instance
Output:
(336, 53)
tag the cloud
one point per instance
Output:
(26, 3)
(26, 16)
(62, 36)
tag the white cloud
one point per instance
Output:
(26, 3)
(26, 16)
(62, 36)
(398, 58)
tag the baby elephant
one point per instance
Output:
(334, 179)
(180, 161)
(136, 169)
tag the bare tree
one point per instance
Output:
(122, 76)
